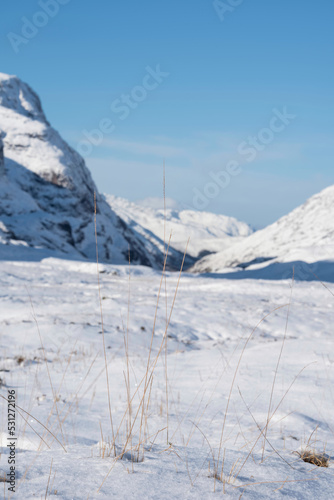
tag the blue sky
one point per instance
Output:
(222, 71)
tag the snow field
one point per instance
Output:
(211, 322)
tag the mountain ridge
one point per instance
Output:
(47, 192)
(305, 234)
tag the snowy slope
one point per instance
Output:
(47, 192)
(216, 378)
(208, 232)
(305, 235)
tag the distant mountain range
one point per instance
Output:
(207, 232)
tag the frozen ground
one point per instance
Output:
(210, 324)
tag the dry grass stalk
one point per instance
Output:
(276, 409)
(263, 431)
(19, 410)
(149, 371)
(276, 369)
(232, 386)
(126, 348)
(48, 371)
(147, 382)
(102, 324)
(47, 486)
(59, 388)
(166, 341)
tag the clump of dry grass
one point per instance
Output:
(308, 453)
(20, 359)
(311, 457)
(3, 477)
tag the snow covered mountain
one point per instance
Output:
(306, 235)
(208, 232)
(47, 192)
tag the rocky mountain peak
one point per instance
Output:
(19, 97)
(47, 201)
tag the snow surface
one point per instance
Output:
(211, 322)
(306, 235)
(208, 232)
